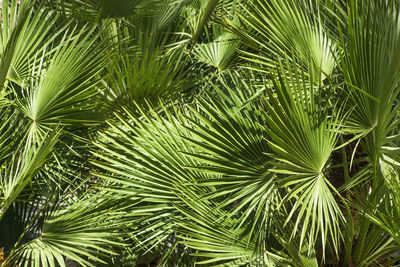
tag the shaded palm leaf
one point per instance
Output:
(89, 9)
(146, 77)
(82, 229)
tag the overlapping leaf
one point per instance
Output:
(275, 28)
(303, 135)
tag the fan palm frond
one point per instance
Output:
(303, 136)
(37, 26)
(82, 228)
(276, 28)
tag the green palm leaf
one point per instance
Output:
(276, 28)
(218, 52)
(219, 243)
(89, 9)
(62, 90)
(26, 23)
(82, 229)
(372, 73)
(142, 158)
(146, 77)
(22, 168)
(303, 135)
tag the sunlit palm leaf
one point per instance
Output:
(280, 27)
(143, 159)
(22, 168)
(372, 73)
(218, 52)
(231, 134)
(303, 135)
(64, 85)
(219, 243)
(34, 33)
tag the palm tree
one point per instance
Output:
(199, 132)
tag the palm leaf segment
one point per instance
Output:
(36, 26)
(110, 8)
(303, 135)
(61, 90)
(216, 155)
(280, 27)
(373, 80)
(219, 52)
(187, 154)
(144, 159)
(83, 229)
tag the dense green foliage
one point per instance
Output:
(200, 132)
